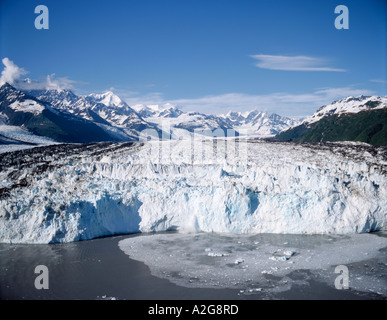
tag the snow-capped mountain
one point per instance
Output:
(106, 110)
(362, 118)
(109, 99)
(122, 122)
(348, 105)
(65, 193)
(66, 101)
(257, 123)
(196, 121)
(13, 100)
(157, 111)
(116, 117)
(179, 121)
(253, 123)
(40, 118)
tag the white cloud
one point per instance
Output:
(11, 72)
(378, 80)
(58, 83)
(292, 63)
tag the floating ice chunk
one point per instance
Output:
(252, 290)
(217, 254)
(267, 272)
(289, 253)
(279, 258)
(105, 297)
(211, 253)
(284, 257)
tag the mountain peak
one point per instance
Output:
(108, 98)
(6, 86)
(166, 110)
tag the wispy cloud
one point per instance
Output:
(58, 83)
(134, 97)
(292, 63)
(334, 93)
(378, 80)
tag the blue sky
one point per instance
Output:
(211, 56)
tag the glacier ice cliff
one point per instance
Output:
(65, 193)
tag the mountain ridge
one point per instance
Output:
(112, 119)
(362, 119)
(18, 108)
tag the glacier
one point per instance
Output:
(72, 192)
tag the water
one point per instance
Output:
(99, 269)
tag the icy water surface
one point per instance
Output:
(198, 266)
(270, 263)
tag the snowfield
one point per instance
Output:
(65, 193)
(28, 105)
